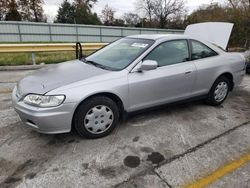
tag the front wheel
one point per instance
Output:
(97, 117)
(219, 91)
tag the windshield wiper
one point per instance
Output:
(96, 64)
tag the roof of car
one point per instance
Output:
(159, 36)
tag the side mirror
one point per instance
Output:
(148, 65)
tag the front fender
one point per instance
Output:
(118, 87)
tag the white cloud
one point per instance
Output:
(50, 11)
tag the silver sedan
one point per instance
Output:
(131, 74)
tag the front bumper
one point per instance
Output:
(45, 120)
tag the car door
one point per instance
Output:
(172, 80)
(207, 63)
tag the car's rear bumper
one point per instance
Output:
(45, 120)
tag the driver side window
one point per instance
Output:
(170, 52)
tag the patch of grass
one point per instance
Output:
(41, 57)
(35, 42)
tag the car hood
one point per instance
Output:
(54, 76)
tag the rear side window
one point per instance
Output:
(200, 51)
(169, 53)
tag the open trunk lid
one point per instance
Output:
(214, 32)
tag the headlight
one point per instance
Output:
(44, 100)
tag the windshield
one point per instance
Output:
(120, 54)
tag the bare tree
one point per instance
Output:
(243, 4)
(146, 6)
(164, 9)
(160, 10)
(108, 15)
(37, 9)
(131, 19)
(32, 10)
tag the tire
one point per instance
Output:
(96, 117)
(222, 84)
(248, 71)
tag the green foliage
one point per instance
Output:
(65, 13)
(94, 19)
(79, 12)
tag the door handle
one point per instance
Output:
(188, 71)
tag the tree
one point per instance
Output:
(94, 19)
(160, 12)
(243, 4)
(146, 6)
(108, 15)
(78, 12)
(177, 22)
(32, 10)
(25, 10)
(118, 22)
(239, 11)
(208, 13)
(131, 19)
(37, 9)
(83, 14)
(65, 13)
(3, 9)
(88, 3)
(12, 14)
(164, 9)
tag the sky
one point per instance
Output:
(121, 6)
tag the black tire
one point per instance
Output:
(85, 107)
(248, 71)
(211, 95)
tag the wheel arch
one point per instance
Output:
(110, 95)
(230, 78)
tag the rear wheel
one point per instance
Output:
(97, 117)
(219, 91)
